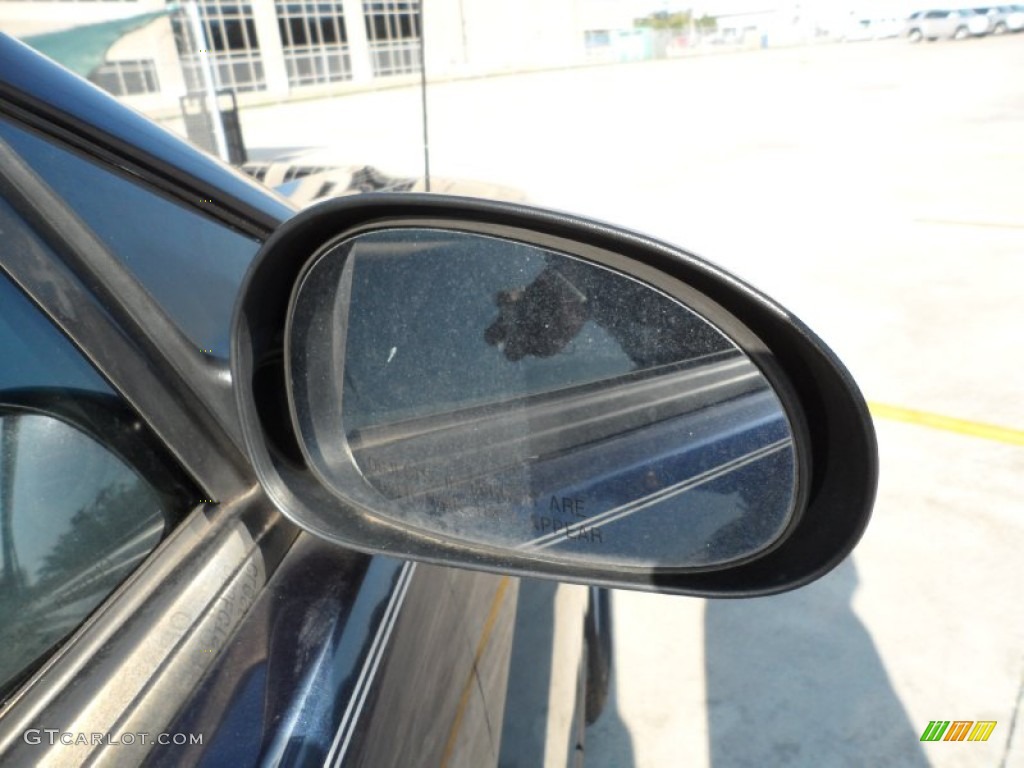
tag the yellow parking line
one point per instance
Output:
(947, 423)
(485, 637)
(972, 223)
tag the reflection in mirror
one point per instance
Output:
(505, 395)
(74, 522)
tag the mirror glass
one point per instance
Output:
(500, 394)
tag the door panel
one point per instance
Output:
(351, 660)
(441, 693)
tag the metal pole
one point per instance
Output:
(423, 95)
(209, 84)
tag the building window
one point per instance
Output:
(315, 41)
(231, 44)
(393, 32)
(127, 78)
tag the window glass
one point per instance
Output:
(230, 41)
(75, 517)
(35, 351)
(392, 31)
(127, 77)
(192, 265)
(315, 42)
(75, 520)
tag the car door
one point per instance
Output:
(126, 573)
(937, 24)
(222, 630)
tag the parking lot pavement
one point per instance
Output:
(848, 671)
(877, 190)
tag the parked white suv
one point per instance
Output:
(1014, 17)
(946, 24)
(996, 17)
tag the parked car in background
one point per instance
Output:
(956, 24)
(1004, 18)
(997, 17)
(1015, 18)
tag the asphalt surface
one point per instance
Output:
(877, 191)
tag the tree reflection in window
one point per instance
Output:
(75, 520)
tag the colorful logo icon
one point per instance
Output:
(958, 730)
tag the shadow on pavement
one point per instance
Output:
(610, 734)
(524, 731)
(540, 677)
(796, 680)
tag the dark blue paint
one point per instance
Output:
(278, 693)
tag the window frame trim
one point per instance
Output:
(244, 532)
(185, 398)
(41, 95)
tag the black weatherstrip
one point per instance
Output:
(124, 333)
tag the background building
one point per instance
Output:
(269, 50)
(273, 50)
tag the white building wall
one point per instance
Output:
(265, 18)
(154, 41)
(463, 38)
(358, 44)
(469, 37)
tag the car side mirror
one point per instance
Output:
(499, 387)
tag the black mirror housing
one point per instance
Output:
(290, 362)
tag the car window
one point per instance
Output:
(190, 264)
(76, 515)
